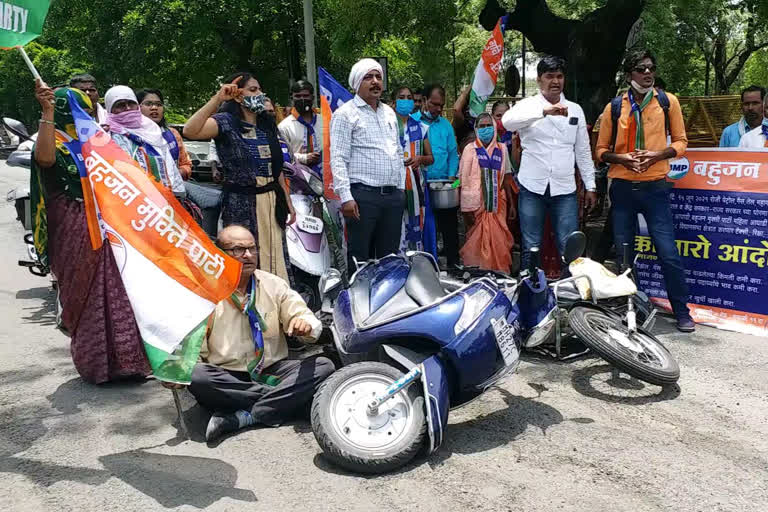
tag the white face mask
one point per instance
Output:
(639, 88)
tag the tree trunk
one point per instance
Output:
(593, 47)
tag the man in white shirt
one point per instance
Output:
(367, 164)
(303, 129)
(757, 138)
(553, 135)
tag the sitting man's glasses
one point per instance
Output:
(151, 104)
(239, 252)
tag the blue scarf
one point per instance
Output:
(490, 169)
(248, 308)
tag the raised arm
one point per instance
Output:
(200, 126)
(45, 146)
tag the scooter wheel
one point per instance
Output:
(357, 441)
(638, 353)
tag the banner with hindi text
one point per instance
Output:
(720, 210)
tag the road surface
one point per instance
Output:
(552, 437)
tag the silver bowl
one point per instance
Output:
(442, 196)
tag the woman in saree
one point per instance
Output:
(417, 153)
(106, 344)
(483, 167)
(249, 149)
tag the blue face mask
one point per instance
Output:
(485, 134)
(404, 107)
(428, 115)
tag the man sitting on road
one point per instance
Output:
(244, 376)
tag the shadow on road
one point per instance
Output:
(43, 313)
(597, 381)
(171, 480)
(479, 434)
(176, 480)
(76, 392)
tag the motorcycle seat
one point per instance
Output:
(423, 283)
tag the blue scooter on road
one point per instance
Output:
(413, 346)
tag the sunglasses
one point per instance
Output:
(645, 69)
(239, 252)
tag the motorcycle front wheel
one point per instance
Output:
(358, 441)
(638, 353)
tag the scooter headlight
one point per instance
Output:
(474, 303)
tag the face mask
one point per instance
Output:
(302, 106)
(639, 88)
(485, 134)
(128, 118)
(254, 103)
(500, 127)
(404, 107)
(428, 115)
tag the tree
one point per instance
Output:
(593, 45)
(727, 32)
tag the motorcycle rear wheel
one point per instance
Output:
(639, 353)
(361, 443)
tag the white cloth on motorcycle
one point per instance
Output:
(606, 284)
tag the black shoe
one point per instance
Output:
(686, 324)
(221, 424)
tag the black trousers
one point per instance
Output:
(447, 221)
(378, 231)
(227, 391)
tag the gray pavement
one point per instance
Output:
(552, 437)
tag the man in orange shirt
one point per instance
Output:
(639, 157)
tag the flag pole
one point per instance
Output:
(182, 423)
(28, 62)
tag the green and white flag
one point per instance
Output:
(21, 21)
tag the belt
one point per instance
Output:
(384, 190)
(251, 189)
(639, 185)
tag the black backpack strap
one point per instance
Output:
(663, 100)
(615, 114)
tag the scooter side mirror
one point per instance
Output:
(330, 281)
(16, 127)
(316, 185)
(574, 246)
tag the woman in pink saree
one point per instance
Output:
(485, 202)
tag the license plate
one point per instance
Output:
(310, 224)
(505, 339)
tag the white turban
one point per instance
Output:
(117, 93)
(359, 70)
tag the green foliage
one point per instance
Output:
(17, 87)
(186, 47)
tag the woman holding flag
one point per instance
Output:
(417, 153)
(96, 312)
(484, 199)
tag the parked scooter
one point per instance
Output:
(307, 238)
